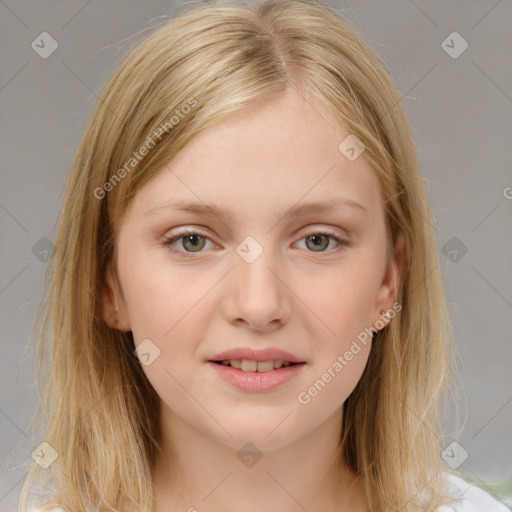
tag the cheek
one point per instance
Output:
(171, 309)
(171, 305)
(335, 380)
(338, 318)
(161, 295)
(339, 304)
(342, 346)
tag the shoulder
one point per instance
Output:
(471, 498)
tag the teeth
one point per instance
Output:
(265, 366)
(255, 366)
(249, 366)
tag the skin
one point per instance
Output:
(308, 300)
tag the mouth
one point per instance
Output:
(248, 365)
(253, 376)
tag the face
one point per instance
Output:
(196, 284)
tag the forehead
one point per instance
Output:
(266, 157)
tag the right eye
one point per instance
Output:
(193, 242)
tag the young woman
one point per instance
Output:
(246, 306)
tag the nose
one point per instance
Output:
(258, 295)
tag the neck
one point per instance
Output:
(197, 471)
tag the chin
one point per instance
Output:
(267, 431)
(258, 442)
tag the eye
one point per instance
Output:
(194, 242)
(320, 240)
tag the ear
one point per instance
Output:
(390, 285)
(112, 297)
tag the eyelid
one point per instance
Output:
(324, 231)
(173, 237)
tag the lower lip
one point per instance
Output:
(257, 381)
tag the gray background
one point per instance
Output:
(461, 114)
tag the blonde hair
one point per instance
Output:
(101, 410)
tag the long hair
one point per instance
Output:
(188, 74)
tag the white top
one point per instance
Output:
(472, 498)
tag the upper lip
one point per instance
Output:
(252, 354)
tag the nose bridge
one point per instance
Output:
(254, 261)
(258, 296)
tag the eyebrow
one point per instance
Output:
(229, 214)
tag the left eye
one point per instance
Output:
(194, 242)
(317, 240)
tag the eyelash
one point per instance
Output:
(168, 241)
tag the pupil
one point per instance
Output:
(317, 240)
(193, 240)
